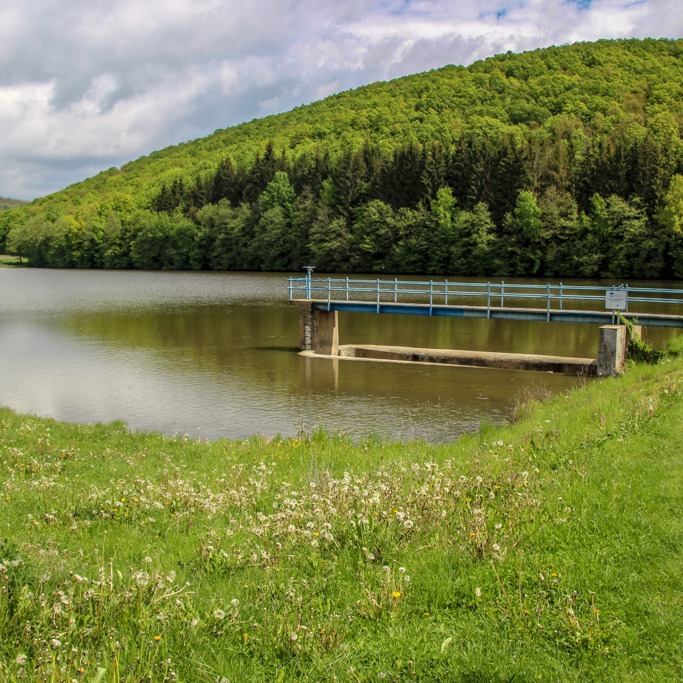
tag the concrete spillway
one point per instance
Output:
(479, 359)
(319, 334)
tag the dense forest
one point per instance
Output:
(564, 161)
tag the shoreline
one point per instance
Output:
(549, 546)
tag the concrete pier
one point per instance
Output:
(318, 329)
(319, 335)
(612, 350)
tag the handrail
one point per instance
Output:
(445, 293)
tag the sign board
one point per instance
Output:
(616, 300)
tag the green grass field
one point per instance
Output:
(6, 260)
(547, 550)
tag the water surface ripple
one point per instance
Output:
(213, 355)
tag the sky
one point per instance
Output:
(90, 84)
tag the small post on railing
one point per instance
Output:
(445, 296)
(309, 272)
(561, 301)
(488, 299)
(378, 300)
(347, 287)
(395, 290)
(502, 294)
(431, 295)
(547, 314)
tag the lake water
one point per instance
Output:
(214, 355)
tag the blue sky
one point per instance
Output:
(90, 84)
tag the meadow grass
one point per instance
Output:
(6, 260)
(546, 550)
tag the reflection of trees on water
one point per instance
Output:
(203, 332)
(257, 344)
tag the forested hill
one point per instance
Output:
(565, 161)
(6, 203)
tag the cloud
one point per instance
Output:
(88, 84)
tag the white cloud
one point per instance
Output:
(87, 84)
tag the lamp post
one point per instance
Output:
(309, 274)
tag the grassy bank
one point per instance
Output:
(548, 550)
(6, 260)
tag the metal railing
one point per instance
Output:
(486, 294)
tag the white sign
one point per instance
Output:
(615, 300)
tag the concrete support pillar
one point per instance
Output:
(612, 350)
(326, 332)
(318, 330)
(305, 324)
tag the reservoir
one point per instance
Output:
(212, 355)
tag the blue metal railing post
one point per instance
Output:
(488, 299)
(378, 298)
(547, 314)
(561, 301)
(502, 294)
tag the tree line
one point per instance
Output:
(559, 162)
(559, 205)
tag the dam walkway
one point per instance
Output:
(320, 299)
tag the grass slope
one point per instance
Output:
(549, 550)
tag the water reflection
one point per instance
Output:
(211, 354)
